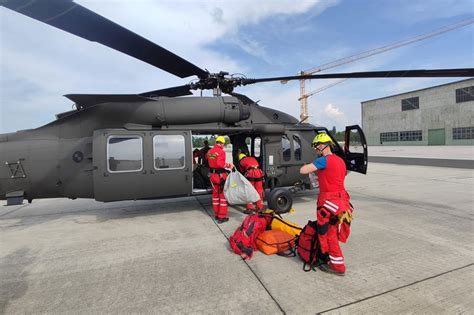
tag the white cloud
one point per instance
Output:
(332, 116)
(187, 27)
(333, 112)
(251, 46)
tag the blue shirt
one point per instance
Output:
(320, 163)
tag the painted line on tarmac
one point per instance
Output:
(395, 289)
(246, 263)
(469, 164)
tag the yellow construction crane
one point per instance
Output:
(304, 96)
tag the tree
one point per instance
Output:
(339, 136)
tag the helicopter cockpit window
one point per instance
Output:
(297, 146)
(286, 148)
(168, 152)
(124, 154)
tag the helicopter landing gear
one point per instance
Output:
(280, 200)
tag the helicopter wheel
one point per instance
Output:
(280, 200)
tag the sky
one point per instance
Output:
(39, 63)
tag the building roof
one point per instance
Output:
(427, 88)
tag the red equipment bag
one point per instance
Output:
(308, 246)
(243, 241)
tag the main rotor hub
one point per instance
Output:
(221, 81)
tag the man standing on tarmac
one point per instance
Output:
(333, 206)
(248, 165)
(216, 158)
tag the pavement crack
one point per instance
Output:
(246, 263)
(395, 289)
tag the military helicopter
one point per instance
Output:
(139, 146)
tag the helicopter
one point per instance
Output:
(114, 147)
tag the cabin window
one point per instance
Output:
(253, 146)
(257, 147)
(297, 146)
(286, 148)
(124, 154)
(248, 143)
(228, 148)
(168, 152)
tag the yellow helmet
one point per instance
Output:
(220, 139)
(241, 156)
(321, 138)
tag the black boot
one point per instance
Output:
(326, 268)
(322, 258)
(222, 220)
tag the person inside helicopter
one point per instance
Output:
(200, 165)
(250, 168)
(202, 154)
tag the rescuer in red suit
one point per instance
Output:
(216, 158)
(334, 211)
(248, 165)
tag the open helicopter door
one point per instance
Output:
(355, 149)
(141, 164)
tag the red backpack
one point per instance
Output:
(308, 246)
(243, 242)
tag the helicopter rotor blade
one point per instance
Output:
(76, 19)
(464, 72)
(182, 90)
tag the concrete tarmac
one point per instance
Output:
(410, 251)
(459, 156)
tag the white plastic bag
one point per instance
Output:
(238, 190)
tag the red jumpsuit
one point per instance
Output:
(217, 163)
(332, 201)
(251, 169)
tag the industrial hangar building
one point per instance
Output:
(438, 115)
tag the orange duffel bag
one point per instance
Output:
(276, 242)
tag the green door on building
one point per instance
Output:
(436, 137)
